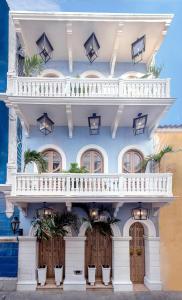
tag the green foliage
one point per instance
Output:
(153, 71)
(31, 156)
(74, 168)
(157, 156)
(102, 224)
(54, 225)
(32, 65)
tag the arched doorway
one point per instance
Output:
(93, 161)
(137, 253)
(98, 251)
(53, 159)
(51, 253)
(132, 162)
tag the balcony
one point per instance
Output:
(90, 88)
(93, 185)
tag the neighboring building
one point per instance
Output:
(69, 90)
(8, 245)
(170, 220)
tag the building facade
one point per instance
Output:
(93, 112)
(170, 215)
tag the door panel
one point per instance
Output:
(98, 251)
(137, 253)
(51, 253)
(92, 160)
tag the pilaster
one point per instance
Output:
(74, 264)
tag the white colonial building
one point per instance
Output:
(125, 110)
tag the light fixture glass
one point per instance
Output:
(45, 47)
(46, 125)
(137, 49)
(94, 213)
(94, 123)
(139, 124)
(92, 47)
(15, 224)
(45, 211)
(140, 213)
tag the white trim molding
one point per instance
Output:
(124, 150)
(114, 228)
(58, 149)
(95, 147)
(92, 73)
(137, 75)
(149, 227)
(46, 72)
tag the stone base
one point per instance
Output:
(26, 285)
(8, 284)
(153, 285)
(74, 286)
(122, 286)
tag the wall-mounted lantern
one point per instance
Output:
(139, 124)
(92, 47)
(137, 49)
(15, 224)
(94, 123)
(94, 213)
(45, 211)
(140, 213)
(45, 47)
(45, 124)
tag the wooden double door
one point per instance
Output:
(137, 253)
(98, 251)
(51, 253)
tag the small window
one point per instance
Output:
(54, 160)
(92, 160)
(132, 162)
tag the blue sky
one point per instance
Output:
(170, 54)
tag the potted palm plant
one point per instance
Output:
(152, 72)
(32, 156)
(42, 274)
(32, 65)
(58, 272)
(155, 159)
(106, 274)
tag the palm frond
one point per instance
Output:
(31, 156)
(32, 65)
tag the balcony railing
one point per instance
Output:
(74, 87)
(141, 184)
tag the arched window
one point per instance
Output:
(54, 160)
(132, 162)
(93, 161)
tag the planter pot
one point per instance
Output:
(42, 272)
(106, 274)
(91, 274)
(58, 272)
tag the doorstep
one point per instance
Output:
(139, 287)
(99, 286)
(50, 285)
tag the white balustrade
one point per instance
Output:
(86, 87)
(138, 184)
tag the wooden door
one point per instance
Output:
(137, 253)
(51, 253)
(98, 251)
(92, 160)
(132, 162)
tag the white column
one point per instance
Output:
(121, 264)
(12, 45)
(74, 264)
(12, 157)
(27, 264)
(152, 263)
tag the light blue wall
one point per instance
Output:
(81, 138)
(102, 67)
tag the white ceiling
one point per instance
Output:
(105, 32)
(80, 114)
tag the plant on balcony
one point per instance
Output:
(153, 72)
(156, 158)
(74, 168)
(55, 225)
(32, 65)
(32, 156)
